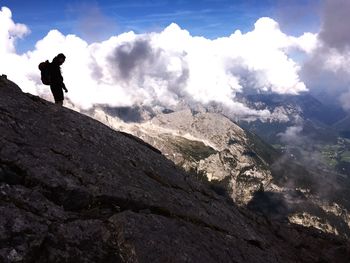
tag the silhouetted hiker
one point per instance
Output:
(56, 80)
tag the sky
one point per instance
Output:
(96, 20)
(166, 53)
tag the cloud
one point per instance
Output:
(164, 69)
(327, 70)
(334, 32)
(292, 135)
(130, 56)
(345, 100)
(10, 31)
(307, 13)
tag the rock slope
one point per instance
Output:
(74, 190)
(208, 145)
(212, 147)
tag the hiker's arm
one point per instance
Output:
(64, 87)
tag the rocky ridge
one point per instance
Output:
(212, 147)
(206, 144)
(73, 189)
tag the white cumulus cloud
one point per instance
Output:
(162, 69)
(9, 31)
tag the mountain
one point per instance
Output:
(293, 110)
(305, 105)
(304, 124)
(73, 189)
(251, 172)
(208, 145)
(343, 126)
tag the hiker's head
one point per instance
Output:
(60, 58)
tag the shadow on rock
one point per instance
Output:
(270, 204)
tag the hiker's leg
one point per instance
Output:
(57, 93)
(60, 102)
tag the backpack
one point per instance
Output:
(45, 72)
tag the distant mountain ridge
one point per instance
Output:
(294, 110)
(305, 104)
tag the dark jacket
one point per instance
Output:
(55, 73)
(57, 84)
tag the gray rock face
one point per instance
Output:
(74, 190)
(214, 148)
(206, 144)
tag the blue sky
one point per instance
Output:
(99, 19)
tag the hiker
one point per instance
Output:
(56, 80)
